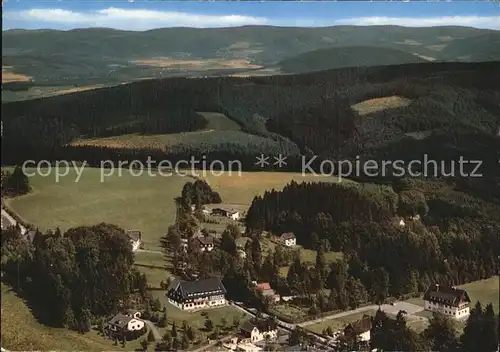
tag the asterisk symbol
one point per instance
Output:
(280, 160)
(262, 160)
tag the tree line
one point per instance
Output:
(70, 279)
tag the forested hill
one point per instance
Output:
(107, 56)
(338, 57)
(442, 109)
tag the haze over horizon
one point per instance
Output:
(140, 16)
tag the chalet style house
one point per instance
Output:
(288, 239)
(206, 243)
(257, 329)
(360, 329)
(200, 294)
(135, 238)
(128, 325)
(449, 301)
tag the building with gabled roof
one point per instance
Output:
(360, 328)
(288, 239)
(125, 325)
(258, 329)
(135, 238)
(449, 301)
(199, 294)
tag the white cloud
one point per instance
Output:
(129, 19)
(492, 22)
(141, 19)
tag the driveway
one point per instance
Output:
(153, 328)
(8, 220)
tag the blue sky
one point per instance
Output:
(143, 15)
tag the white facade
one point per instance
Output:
(289, 242)
(364, 337)
(234, 216)
(135, 245)
(200, 303)
(402, 223)
(132, 325)
(256, 335)
(462, 311)
(206, 247)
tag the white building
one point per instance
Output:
(360, 328)
(125, 323)
(200, 294)
(449, 301)
(288, 239)
(135, 238)
(206, 243)
(257, 330)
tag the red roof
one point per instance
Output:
(263, 286)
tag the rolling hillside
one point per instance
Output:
(403, 111)
(327, 59)
(43, 62)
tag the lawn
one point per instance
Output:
(196, 319)
(339, 323)
(144, 203)
(484, 291)
(242, 188)
(154, 265)
(22, 332)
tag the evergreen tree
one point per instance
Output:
(441, 334)
(151, 336)
(174, 330)
(490, 330)
(471, 338)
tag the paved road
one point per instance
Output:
(11, 221)
(153, 328)
(148, 251)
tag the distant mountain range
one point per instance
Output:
(102, 56)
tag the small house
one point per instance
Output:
(206, 242)
(135, 238)
(265, 289)
(259, 329)
(360, 329)
(123, 325)
(288, 239)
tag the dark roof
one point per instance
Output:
(247, 326)
(261, 324)
(287, 236)
(134, 235)
(120, 320)
(448, 295)
(206, 240)
(360, 326)
(191, 289)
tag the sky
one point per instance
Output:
(144, 15)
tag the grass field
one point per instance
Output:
(339, 323)
(143, 203)
(379, 104)
(241, 189)
(485, 291)
(22, 332)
